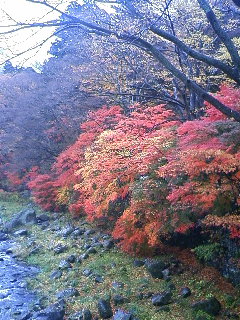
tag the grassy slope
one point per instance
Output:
(203, 281)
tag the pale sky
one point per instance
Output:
(12, 11)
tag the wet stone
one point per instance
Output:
(20, 233)
(15, 299)
(104, 309)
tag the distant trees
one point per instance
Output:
(191, 51)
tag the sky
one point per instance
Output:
(12, 11)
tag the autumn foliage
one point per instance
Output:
(148, 174)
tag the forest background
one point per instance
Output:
(133, 121)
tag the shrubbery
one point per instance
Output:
(149, 174)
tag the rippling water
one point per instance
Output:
(15, 298)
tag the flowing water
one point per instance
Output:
(15, 298)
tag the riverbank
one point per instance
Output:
(82, 266)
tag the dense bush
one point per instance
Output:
(149, 174)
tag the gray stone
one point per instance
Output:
(98, 279)
(84, 256)
(162, 298)
(108, 244)
(104, 309)
(3, 236)
(91, 250)
(26, 216)
(87, 272)
(89, 232)
(67, 231)
(118, 299)
(155, 268)
(64, 265)
(43, 218)
(56, 274)
(185, 292)
(60, 249)
(122, 315)
(211, 306)
(20, 233)
(138, 263)
(85, 314)
(67, 293)
(71, 258)
(53, 312)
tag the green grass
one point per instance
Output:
(135, 280)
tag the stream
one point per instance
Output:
(15, 298)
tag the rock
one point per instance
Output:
(45, 225)
(77, 232)
(20, 233)
(138, 263)
(26, 216)
(98, 279)
(87, 272)
(85, 314)
(108, 244)
(89, 232)
(185, 292)
(211, 306)
(60, 249)
(104, 309)
(122, 315)
(35, 250)
(43, 218)
(118, 299)
(84, 256)
(166, 274)
(64, 265)
(162, 298)
(26, 316)
(53, 312)
(67, 293)
(3, 236)
(56, 274)
(155, 268)
(67, 231)
(91, 250)
(71, 258)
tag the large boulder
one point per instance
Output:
(211, 306)
(55, 311)
(155, 268)
(26, 216)
(160, 299)
(104, 309)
